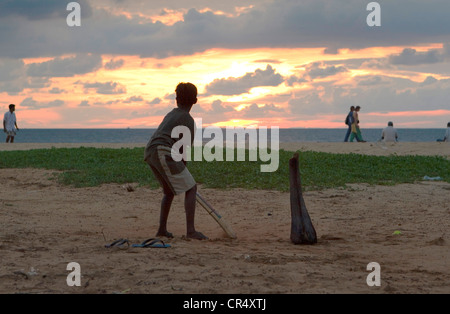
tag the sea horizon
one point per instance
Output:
(142, 135)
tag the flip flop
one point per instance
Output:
(152, 243)
(118, 243)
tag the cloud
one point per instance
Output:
(430, 80)
(310, 102)
(114, 64)
(331, 51)
(380, 64)
(108, 88)
(162, 6)
(410, 56)
(291, 80)
(57, 90)
(171, 96)
(66, 67)
(217, 110)
(36, 10)
(397, 94)
(13, 77)
(370, 80)
(155, 101)
(133, 99)
(84, 103)
(316, 70)
(268, 61)
(281, 23)
(219, 107)
(114, 30)
(32, 104)
(240, 85)
(264, 111)
(11, 69)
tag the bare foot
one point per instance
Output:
(164, 234)
(196, 235)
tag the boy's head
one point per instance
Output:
(186, 95)
(12, 107)
(352, 108)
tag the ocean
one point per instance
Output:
(143, 135)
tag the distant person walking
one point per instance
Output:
(349, 122)
(10, 124)
(447, 135)
(356, 131)
(389, 134)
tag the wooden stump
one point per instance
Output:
(302, 229)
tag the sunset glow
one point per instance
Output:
(242, 79)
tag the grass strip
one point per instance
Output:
(85, 167)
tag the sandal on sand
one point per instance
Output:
(118, 243)
(152, 243)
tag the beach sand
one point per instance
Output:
(404, 228)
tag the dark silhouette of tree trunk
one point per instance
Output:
(302, 229)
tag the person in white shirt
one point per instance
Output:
(10, 124)
(389, 134)
(447, 135)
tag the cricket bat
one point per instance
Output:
(217, 217)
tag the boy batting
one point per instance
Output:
(173, 176)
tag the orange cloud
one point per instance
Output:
(424, 113)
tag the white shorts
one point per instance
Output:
(171, 174)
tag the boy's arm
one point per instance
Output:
(4, 125)
(16, 125)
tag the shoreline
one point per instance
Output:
(368, 148)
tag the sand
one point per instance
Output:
(44, 226)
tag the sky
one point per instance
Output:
(285, 63)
